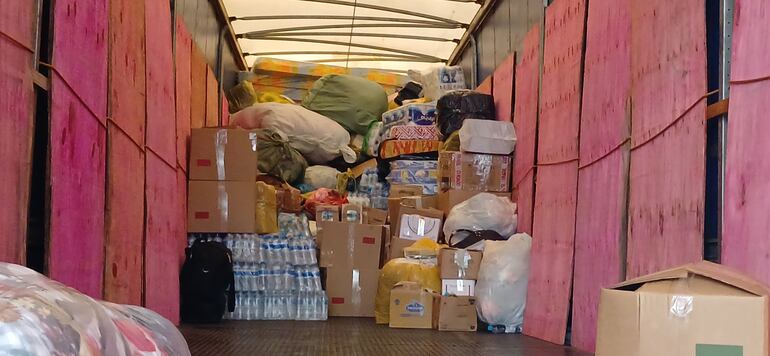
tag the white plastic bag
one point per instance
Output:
(483, 211)
(319, 138)
(439, 81)
(487, 136)
(321, 177)
(501, 289)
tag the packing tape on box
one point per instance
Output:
(253, 139)
(220, 147)
(222, 203)
(355, 297)
(462, 259)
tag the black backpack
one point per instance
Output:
(207, 282)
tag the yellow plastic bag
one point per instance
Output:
(399, 270)
(267, 209)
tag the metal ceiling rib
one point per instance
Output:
(397, 34)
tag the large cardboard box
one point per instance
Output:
(351, 291)
(698, 309)
(457, 314)
(458, 287)
(214, 206)
(411, 306)
(448, 199)
(475, 171)
(405, 190)
(397, 247)
(459, 264)
(350, 245)
(376, 216)
(223, 154)
(414, 224)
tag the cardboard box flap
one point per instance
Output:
(706, 269)
(407, 285)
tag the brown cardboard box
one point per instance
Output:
(428, 213)
(457, 314)
(223, 154)
(351, 291)
(405, 190)
(698, 309)
(214, 206)
(325, 213)
(352, 213)
(376, 216)
(350, 245)
(411, 306)
(397, 246)
(420, 202)
(458, 287)
(450, 261)
(475, 171)
(450, 198)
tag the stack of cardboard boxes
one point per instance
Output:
(222, 190)
(351, 256)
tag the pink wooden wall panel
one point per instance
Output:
(80, 50)
(127, 68)
(600, 231)
(181, 184)
(162, 238)
(124, 217)
(525, 123)
(198, 74)
(550, 281)
(161, 107)
(212, 99)
(183, 91)
(225, 111)
(486, 85)
(77, 179)
(77, 152)
(503, 88)
(667, 174)
(747, 192)
(16, 99)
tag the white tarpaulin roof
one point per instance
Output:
(384, 34)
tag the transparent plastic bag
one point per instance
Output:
(484, 211)
(397, 270)
(39, 316)
(501, 290)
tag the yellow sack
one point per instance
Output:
(273, 97)
(399, 270)
(267, 209)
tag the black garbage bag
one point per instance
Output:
(456, 106)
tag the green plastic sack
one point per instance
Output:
(353, 102)
(278, 158)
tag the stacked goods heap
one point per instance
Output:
(276, 275)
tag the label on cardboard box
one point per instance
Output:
(458, 287)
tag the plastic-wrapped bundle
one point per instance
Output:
(398, 270)
(454, 107)
(501, 289)
(278, 157)
(39, 316)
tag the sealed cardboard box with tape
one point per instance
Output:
(459, 263)
(350, 245)
(456, 313)
(474, 171)
(699, 309)
(411, 306)
(223, 154)
(351, 291)
(214, 206)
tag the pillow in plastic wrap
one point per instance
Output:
(440, 80)
(454, 107)
(501, 288)
(39, 316)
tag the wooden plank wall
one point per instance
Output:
(668, 135)
(503, 79)
(550, 279)
(199, 73)
(77, 150)
(601, 226)
(747, 190)
(161, 107)
(124, 213)
(17, 42)
(183, 48)
(525, 123)
(486, 85)
(212, 99)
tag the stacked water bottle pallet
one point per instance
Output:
(276, 275)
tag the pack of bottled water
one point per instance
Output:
(276, 275)
(370, 192)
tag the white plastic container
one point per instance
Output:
(487, 136)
